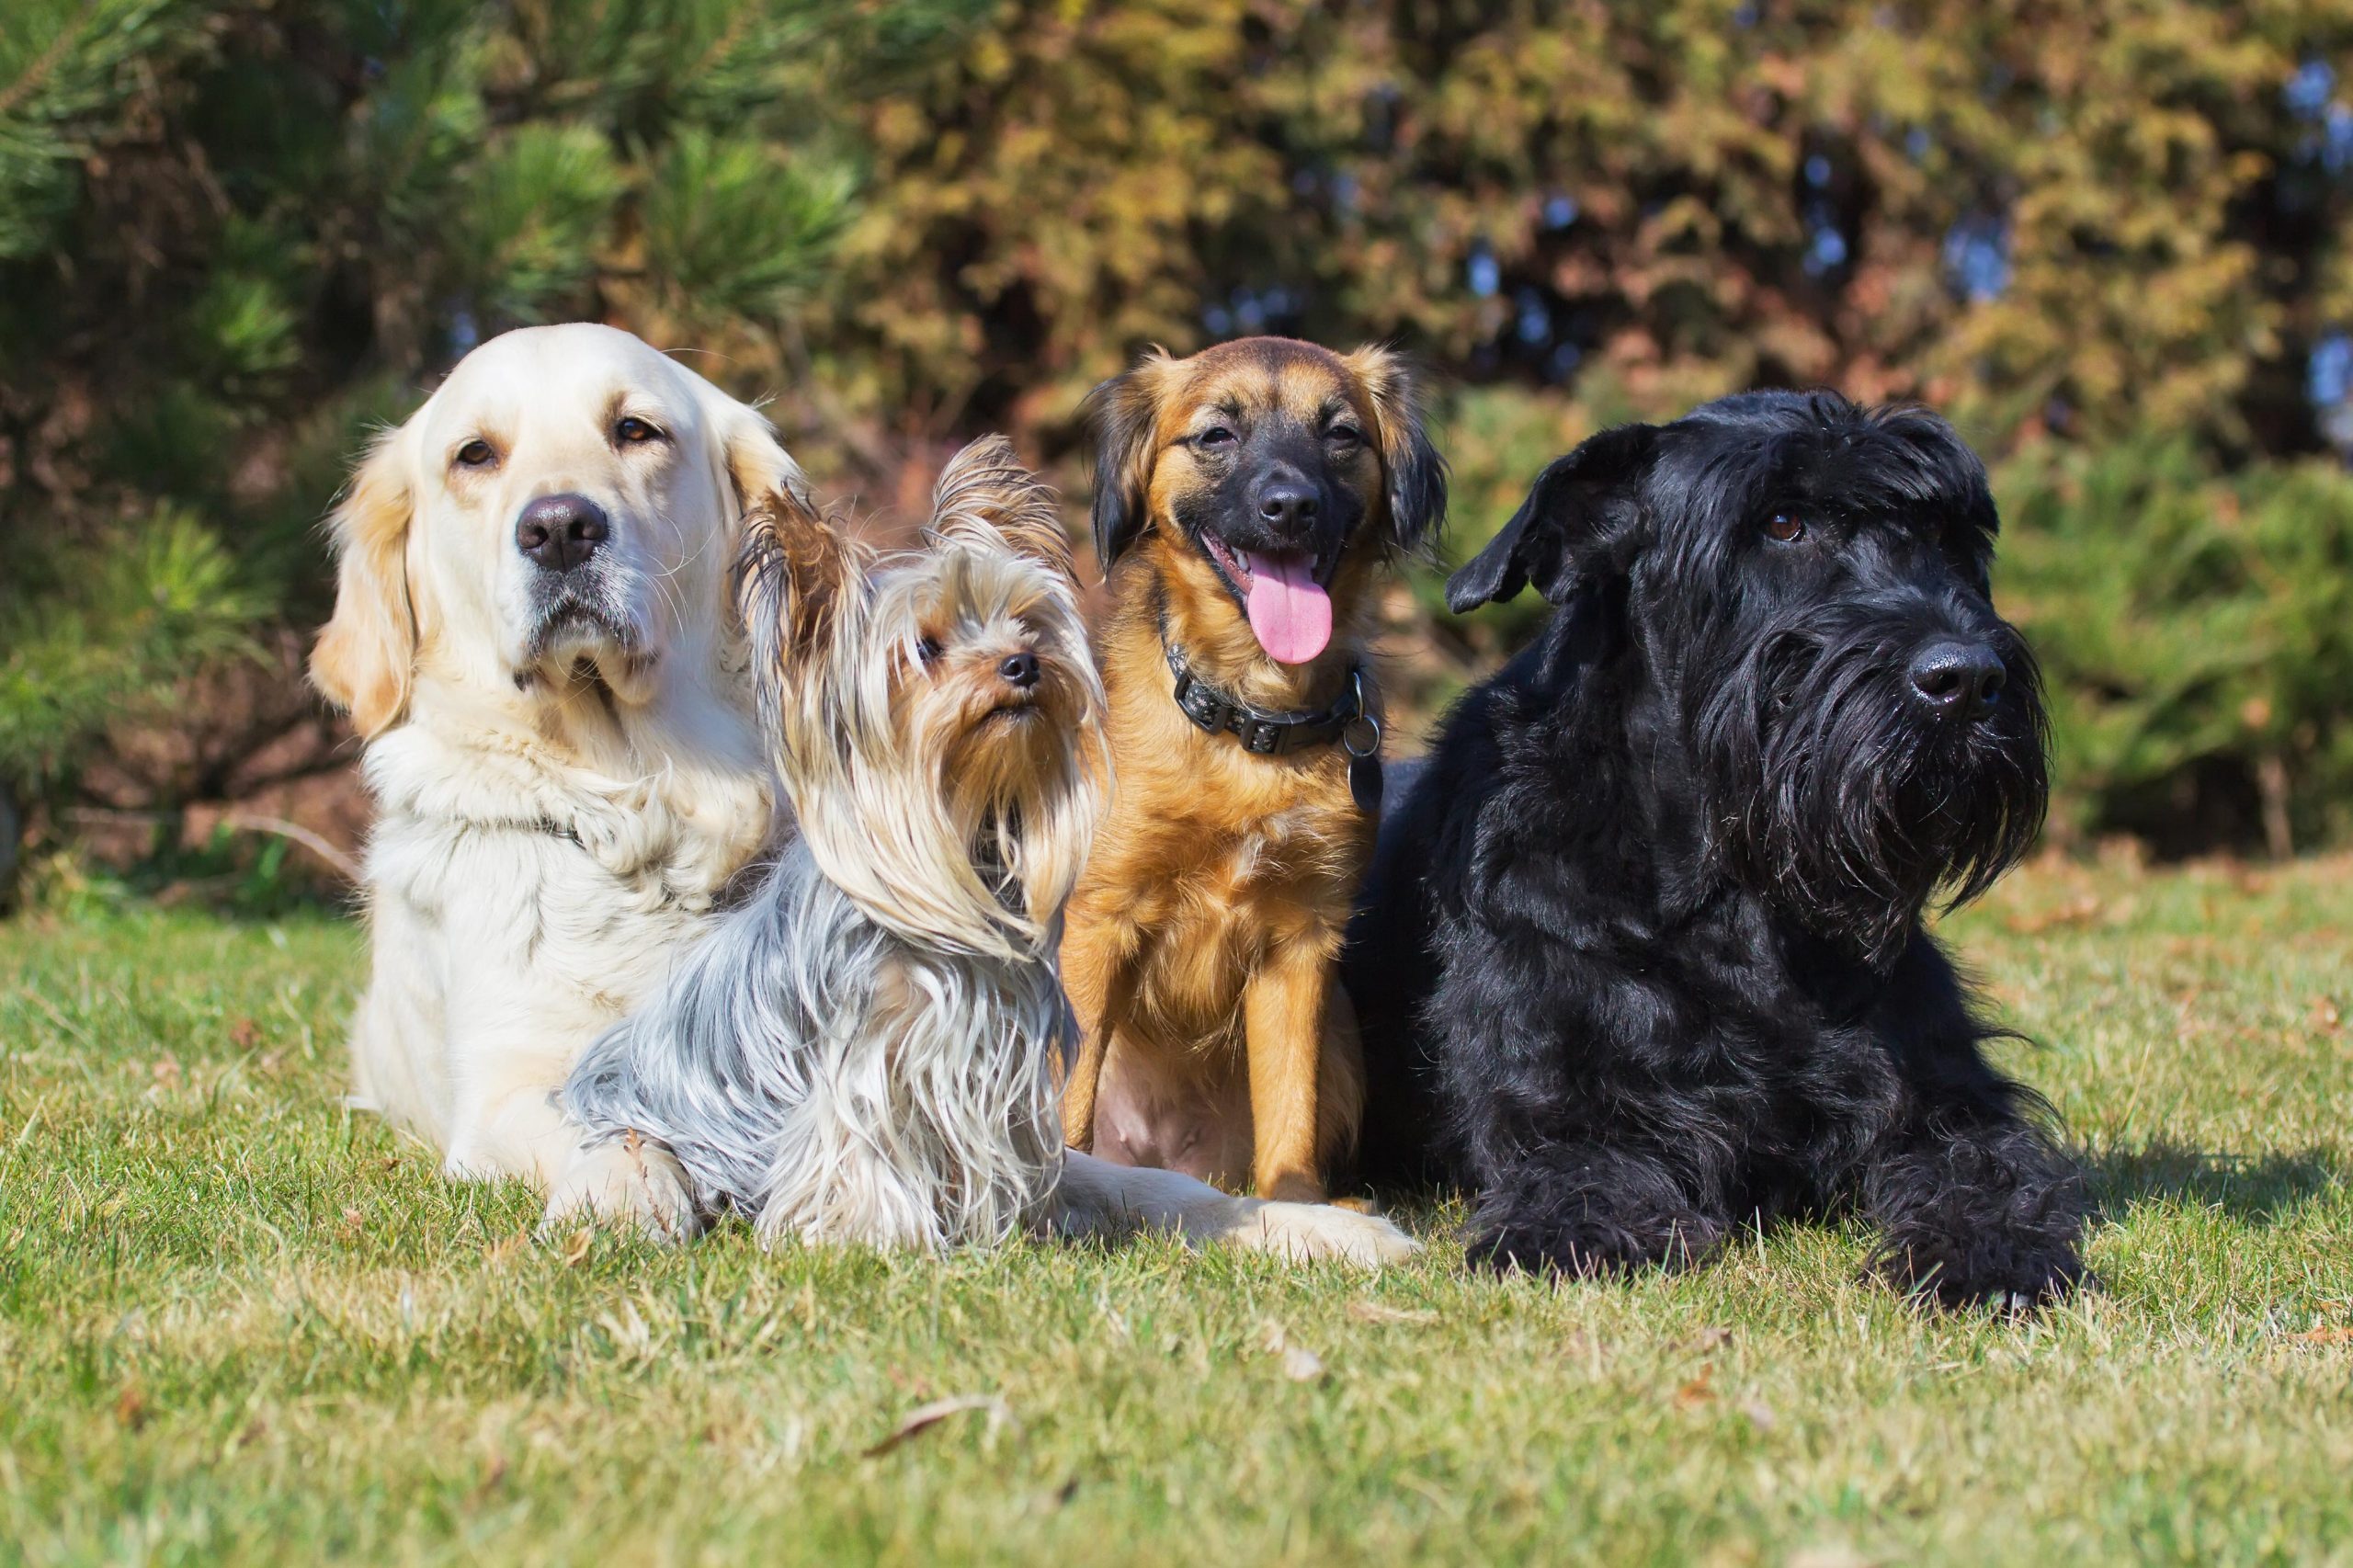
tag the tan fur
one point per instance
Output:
(1202, 944)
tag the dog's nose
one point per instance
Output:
(1288, 507)
(560, 532)
(1020, 670)
(1960, 678)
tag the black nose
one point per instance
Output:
(560, 532)
(1960, 678)
(1020, 669)
(1286, 507)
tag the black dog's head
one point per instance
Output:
(1266, 471)
(1806, 584)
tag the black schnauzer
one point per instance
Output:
(1642, 947)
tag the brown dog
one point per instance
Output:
(1249, 497)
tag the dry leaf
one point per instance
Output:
(2333, 1334)
(245, 1034)
(1708, 1339)
(1696, 1391)
(506, 1247)
(924, 1417)
(575, 1251)
(1301, 1365)
(1376, 1312)
(130, 1407)
(2325, 1016)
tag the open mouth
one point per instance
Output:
(1283, 593)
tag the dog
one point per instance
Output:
(1641, 956)
(1246, 499)
(871, 1049)
(533, 634)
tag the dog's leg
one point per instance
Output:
(1100, 986)
(629, 1179)
(1282, 1011)
(1583, 1208)
(1986, 1210)
(1097, 1199)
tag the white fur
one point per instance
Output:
(557, 815)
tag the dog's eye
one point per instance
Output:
(635, 432)
(1215, 436)
(1345, 435)
(476, 453)
(1785, 527)
(928, 649)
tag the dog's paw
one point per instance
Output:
(1314, 1233)
(626, 1180)
(1965, 1273)
(1592, 1248)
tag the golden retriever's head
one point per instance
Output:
(565, 507)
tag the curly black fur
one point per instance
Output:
(1641, 958)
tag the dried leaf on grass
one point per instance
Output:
(924, 1417)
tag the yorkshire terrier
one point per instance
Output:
(871, 1049)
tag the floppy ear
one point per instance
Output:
(1416, 475)
(985, 491)
(756, 465)
(364, 657)
(1121, 417)
(792, 579)
(1571, 527)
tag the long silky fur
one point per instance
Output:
(868, 1049)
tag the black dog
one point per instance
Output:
(1642, 945)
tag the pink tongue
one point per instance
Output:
(1289, 609)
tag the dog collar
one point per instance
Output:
(1276, 735)
(1347, 721)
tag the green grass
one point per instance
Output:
(237, 1322)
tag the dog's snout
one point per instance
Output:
(1019, 670)
(1964, 678)
(1288, 506)
(560, 533)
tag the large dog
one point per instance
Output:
(1245, 500)
(532, 632)
(870, 1049)
(1644, 944)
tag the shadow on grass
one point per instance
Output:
(2256, 1189)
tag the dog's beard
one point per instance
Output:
(1019, 786)
(583, 622)
(1832, 794)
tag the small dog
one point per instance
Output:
(1644, 944)
(1245, 500)
(868, 1050)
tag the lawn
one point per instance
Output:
(237, 1322)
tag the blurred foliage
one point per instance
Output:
(2103, 233)
(2198, 631)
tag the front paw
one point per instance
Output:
(1311, 1232)
(1958, 1271)
(1589, 1242)
(1993, 1221)
(628, 1179)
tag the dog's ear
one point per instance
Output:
(793, 579)
(1569, 529)
(985, 491)
(755, 464)
(1416, 473)
(366, 654)
(1123, 415)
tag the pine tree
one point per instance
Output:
(233, 233)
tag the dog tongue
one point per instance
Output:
(1289, 609)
